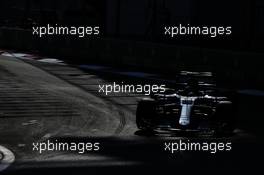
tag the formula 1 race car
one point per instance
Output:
(191, 108)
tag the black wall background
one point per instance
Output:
(144, 19)
(131, 34)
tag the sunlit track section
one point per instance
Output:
(60, 93)
(90, 83)
(21, 100)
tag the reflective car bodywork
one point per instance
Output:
(188, 109)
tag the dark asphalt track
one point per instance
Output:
(45, 101)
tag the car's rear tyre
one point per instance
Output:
(225, 119)
(145, 113)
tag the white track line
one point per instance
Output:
(8, 158)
